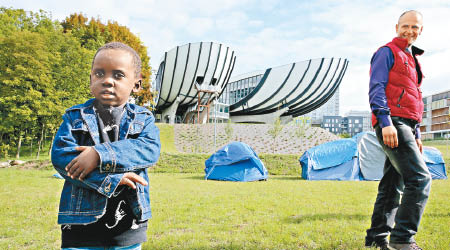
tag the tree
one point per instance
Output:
(94, 34)
(24, 81)
(44, 69)
(301, 125)
(275, 131)
(42, 72)
(229, 131)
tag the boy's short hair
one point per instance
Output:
(118, 45)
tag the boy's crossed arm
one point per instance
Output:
(88, 160)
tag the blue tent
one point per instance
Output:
(235, 162)
(335, 160)
(435, 162)
(358, 158)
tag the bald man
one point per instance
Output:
(396, 102)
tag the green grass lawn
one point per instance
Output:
(166, 135)
(284, 212)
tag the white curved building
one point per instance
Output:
(285, 91)
(205, 63)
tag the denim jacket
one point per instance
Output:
(138, 147)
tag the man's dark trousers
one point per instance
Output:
(404, 171)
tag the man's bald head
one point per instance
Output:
(409, 12)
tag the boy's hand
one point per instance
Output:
(131, 178)
(83, 164)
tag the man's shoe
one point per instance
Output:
(381, 246)
(384, 246)
(408, 246)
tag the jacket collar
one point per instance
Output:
(402, 43)
(417, 51)
(88, 115)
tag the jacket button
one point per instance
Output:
(107, 167)
(108, 188)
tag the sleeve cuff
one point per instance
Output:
(384, 120)
(110, 184)
(107, 157)
(418, 136)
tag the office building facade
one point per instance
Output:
(351, 125)
(436, 121)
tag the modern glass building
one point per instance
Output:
(238, 89)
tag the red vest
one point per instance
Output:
(403, 93)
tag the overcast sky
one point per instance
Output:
(271, 33)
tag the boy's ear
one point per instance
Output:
(137, 86)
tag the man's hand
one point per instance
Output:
(83, 164)
(419, 144)
(390, 138)
(130, 179)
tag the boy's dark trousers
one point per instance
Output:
(404, 171)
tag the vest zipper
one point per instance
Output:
(400, 97)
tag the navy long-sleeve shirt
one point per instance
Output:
(381, 63)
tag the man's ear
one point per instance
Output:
(137, 86)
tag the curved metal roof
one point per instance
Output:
(182, 65)
(301, 86)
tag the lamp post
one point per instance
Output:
(215, 121)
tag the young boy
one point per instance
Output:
(103, 149)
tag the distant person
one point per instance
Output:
(396, 102)
(103, 149)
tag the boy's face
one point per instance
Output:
(113, 77)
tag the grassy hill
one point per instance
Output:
(194, 138)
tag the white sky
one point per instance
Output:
(271, 33)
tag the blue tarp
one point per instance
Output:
(358, 158)
(235, 161)
(332, 153)
(435, 162)
(336, 160)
